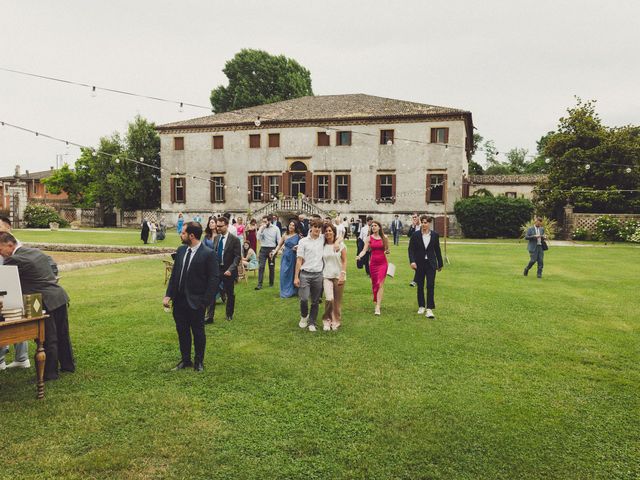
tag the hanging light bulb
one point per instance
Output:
(628, 170)
(257, 122)
(94, 153)
(587, 166)
(547, 161)
(327, 132)
(117, 160)
(180, 108)
(93, 92)
(142, 159)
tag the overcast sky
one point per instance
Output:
(515, 65)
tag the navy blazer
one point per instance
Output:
(417, 252)
(231, 253)
(202, 278)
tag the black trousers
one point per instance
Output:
(228, 284)
(365, 258)
(264, 258)
(57, 344)
(189, 322)
(425, 270)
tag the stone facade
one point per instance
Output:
(384, 178)
(520, 186)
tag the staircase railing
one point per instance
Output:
(290, 204)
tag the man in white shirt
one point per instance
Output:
(269, 238)
(308, 275)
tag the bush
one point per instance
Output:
(550, 227)
(628, 229)
(487, 217)
(39, 216)
(607, 229)
(581, 234)
(635, 237)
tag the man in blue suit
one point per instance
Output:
(192, 287)
(535, 236)
(426, 259)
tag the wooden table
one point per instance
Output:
(16, 331)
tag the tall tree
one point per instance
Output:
(590, 165)
(256, 77)
(108, 176)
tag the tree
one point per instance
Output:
(474, 167)
(256, 78)
(108, 176)
(590, 165)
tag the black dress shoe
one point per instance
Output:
(229, 318)
(198, 367)
(182, 365)
(259, 287)
(208, 320)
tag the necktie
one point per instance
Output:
(185, 268)
(220, 249)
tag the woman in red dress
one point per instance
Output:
(250, 235)
(379, 245)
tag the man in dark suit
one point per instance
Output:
(535, 236)
(304, 224)
(228, 253)
(36, 276)
(396, 229)
(193, 285)
(425, 258)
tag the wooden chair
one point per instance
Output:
(168, 267)
(242, 273)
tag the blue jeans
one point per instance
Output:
(21, 352)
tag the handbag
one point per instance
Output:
(545, 247)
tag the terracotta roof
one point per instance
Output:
(320, 108)
(30, 176)
(526, 179)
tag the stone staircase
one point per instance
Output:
(290, 205)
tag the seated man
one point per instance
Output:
(36, 276)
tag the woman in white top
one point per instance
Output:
(334, 275)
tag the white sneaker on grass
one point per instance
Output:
(421, 311)
(312, 328)
(24, 364)
(304, 321)
(430, 313)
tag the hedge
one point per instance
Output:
(490, 217)
(39, 216)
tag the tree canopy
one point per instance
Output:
(590, 164)
(108, 177)
(256, 78)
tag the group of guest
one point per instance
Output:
(152, 231)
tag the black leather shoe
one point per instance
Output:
(229, 318)
(208, 320)
(259, 287)
(526, 272)
(198, 367)
(182, 365)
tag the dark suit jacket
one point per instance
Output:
(231, 254)
(393, 226)
(202, 278)
(36, 276)
(416, 250)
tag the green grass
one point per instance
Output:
(121, 237)
(516, 378)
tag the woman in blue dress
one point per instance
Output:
(179, 223)
(289, 245)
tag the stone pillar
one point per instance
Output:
(17, 203)
(568, 221)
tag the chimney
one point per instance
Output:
(26, 172)
(17, 174)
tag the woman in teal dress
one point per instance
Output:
(249, 258)
(289, 244)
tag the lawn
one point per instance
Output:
(98, 236)
(516, 378)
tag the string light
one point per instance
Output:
(93, 92)
(587, 166)
(181, 107)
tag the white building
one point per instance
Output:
(351, 154)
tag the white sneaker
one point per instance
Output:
(3, 365)
(304, 321)
(312, 328)
(421, 311)
(326, 328)
(430, 313)
(24, 364)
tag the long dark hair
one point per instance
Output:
(385, 240)
(207, 231)
(328, 226)
(298, 227)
